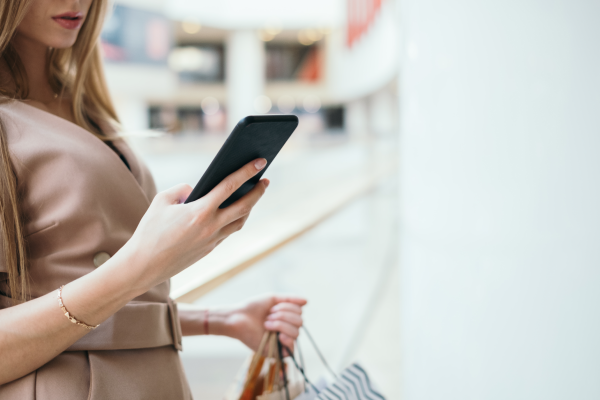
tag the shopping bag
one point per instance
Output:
(312, 391)
(352, 384)
(267, 377)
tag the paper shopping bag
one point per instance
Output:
(267, 377)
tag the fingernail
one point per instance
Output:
(267, 183)
(260, 163)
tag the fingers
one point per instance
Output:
(287, 341)
(286, 307)
(289, 317)
(175, 195)
(232, 227)
(290, 299)
(283, 327)
(286, 318)
(230, 184)
(243, 206)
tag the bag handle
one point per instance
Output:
(275, 351)
(255, 366)
(314, 344)
(272, 376)
(284, 372)
(272, 339)
(301, 369)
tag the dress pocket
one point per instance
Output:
(66, 377)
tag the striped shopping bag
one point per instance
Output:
(353, 383)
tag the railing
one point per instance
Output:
(253, 243)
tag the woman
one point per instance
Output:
(78, 209)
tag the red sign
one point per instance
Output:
(361, 14)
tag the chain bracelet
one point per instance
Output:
(69, 316)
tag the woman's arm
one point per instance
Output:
(33, 333)
(170, 237)
(248, 321)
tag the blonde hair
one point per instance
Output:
(77, 71)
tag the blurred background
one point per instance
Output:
(438, 204)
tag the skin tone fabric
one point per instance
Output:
(87, 189)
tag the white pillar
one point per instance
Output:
(500, 207)
(383, 113)
(356, 114)
(245, 73)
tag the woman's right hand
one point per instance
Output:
(172, 235)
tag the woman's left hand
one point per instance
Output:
(283, 314)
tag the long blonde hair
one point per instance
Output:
(76, 71)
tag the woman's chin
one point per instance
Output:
(62, 42)
(58, 40)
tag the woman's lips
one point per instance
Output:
(69, 20)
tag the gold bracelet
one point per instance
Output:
(69, 316)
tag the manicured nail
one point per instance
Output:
(260, 163)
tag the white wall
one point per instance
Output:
(500, 199)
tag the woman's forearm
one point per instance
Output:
(33, 333)
(170, 237)
(247, 321)
(194, 322)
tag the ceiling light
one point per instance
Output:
(191, 27)
(286, 104)
(185, 59)
(303, 39)
(210, 105)
(262, 104)
(313, 35)
(311, 104)
(273, 29)
(265, 36)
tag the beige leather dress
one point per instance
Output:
(81, 204)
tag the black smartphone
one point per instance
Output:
(256, 136)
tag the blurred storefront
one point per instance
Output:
(174, 71)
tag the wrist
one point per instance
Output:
(130, 268)
(213, 321)
(219, 321)
(97, 295)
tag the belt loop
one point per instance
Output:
(175, 324)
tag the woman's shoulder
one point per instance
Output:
(15, 107)
(16, 116)
(9, 108)
(14, 120)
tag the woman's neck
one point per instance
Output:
(35, 58)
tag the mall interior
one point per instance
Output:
(438, 204)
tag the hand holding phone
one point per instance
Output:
(253, 137)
